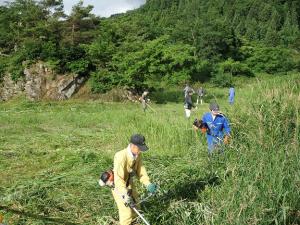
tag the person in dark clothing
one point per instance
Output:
(188, 104)
(200, 95)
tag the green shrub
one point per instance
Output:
(3, 65)
(69, 54)
(225, 71)
(202, 72)
(53, 64)
(222, 79)
(15, 65)
(16, 73)
(49, 51)
(271, 60)
(235, 68)
(80, 66)
(101, 81)
(31, 49)
(162, 96)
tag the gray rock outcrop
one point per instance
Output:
(41, 83)
(10, 88)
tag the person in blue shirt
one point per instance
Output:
(216, 127)
(231, 95)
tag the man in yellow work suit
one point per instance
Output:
(127, 164)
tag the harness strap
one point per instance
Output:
(131, 174)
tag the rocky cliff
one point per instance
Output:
(39, 82)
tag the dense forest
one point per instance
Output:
(163, 43)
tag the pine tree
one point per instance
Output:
(290, 29)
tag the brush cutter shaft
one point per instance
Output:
(140, 215)
(150, 107)
(144, 199)
(132, 206)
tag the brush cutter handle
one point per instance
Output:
(128, 201)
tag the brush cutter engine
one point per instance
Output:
(201, 125)
(107, 179)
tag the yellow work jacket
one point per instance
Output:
(124, 164)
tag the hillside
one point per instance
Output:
(164, 43)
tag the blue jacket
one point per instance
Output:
(216, 129)
(231, 92)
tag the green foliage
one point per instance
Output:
(158, 63)
(202, 71)
(102, 81)
(74, 59)
(80, 66)
(3, 65)
(15, 65)
(80, 25)
(163, 96)
(36, 32)
(101, 51)
(235, 68)
(270, 60)
(164, 43)
(53, 64)
(225, 71)
(16, 72)
(31, 49)
(222, 79)
(49, 51)
(290, 29)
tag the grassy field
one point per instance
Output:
(51, 155)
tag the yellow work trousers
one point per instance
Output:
(126, 214)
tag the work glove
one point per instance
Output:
(151, 188)
(195, 129)
(128, 200)
(196, 123)
(226, 139)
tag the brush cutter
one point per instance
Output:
(133, 205)
(140, 215)
(106, 179)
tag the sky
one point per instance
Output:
(103, 8)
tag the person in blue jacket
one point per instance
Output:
(216, 127)
(231, 95)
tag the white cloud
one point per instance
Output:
(103, 8)
(2, 2)
(106, 8)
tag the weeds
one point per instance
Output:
(52, 153)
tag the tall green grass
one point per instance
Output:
(51, 154)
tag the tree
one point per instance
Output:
(290, 29)
(272, 37)
(81, 24)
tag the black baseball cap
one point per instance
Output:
(139, 140)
